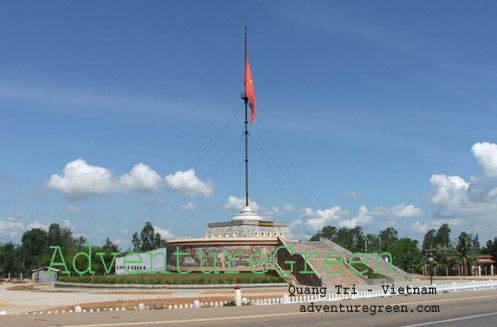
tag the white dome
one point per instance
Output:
(247, 214)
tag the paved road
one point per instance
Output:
(46, 296)
(456, 309)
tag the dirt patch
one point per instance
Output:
(136, 293)
(32, 288)
(23, 288)
(13, 281)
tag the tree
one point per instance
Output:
(9, 259)
(80, 241)
(491, 248)
(465, 251)
(429, 240)
(157, 241)
(444, 258)
(54, 234)
(476, 243)
(389, 236)
(443, 236)
(34, 247)
(373, 242)
(345, 238)
(66, 240)
(407, 255)
(147, 237)
(328, 232)
(109, 246)
(136, 242)
(351, 239)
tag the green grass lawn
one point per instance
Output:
(176, 278)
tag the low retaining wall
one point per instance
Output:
(170, 286)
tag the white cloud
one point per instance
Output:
(289, 208)
(237, 204)
(474, 201)
(418, 228)
(67, 224)
(164, 233)
(448, 190)
(404, 211)
(363, 217)
(397, 211)
(296, 224)
(141, 179)
(189, 207)
(311, 221)
(352, 196)
(422, 228)
(71, 210)
(486, 154)
(38, 225)
(270, 213)
(125, 231)
(12, 228)
(80, 180)
(317, 219)
(186, 183)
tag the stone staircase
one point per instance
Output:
(316, 263)
(383, 266)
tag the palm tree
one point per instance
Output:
(465, 251)
(440, 257)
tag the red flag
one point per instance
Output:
(249, 87)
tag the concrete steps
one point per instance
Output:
(398, 275)
(316, 262)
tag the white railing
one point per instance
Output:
(411, 290)
(443, 288)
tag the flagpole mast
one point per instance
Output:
(245, 98)
(247, 95)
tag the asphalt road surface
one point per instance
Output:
(449, 309)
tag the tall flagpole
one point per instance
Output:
(247, 95)
(245, 98)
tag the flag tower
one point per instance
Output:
(247, 96)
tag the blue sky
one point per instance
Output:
(383, 115)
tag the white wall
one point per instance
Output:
(158, 262)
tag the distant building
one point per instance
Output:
(153, 260)
(40, 275)
(484, 265)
